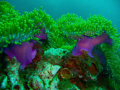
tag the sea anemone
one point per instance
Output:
(20, 33)
(23, 53)
(88, 43)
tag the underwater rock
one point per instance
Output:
(35, 83)
(46, 72)
(43, 72)
(3, 82)
(54, 83)
(80, 69)
(13, 68)
(66, 72)
(54, 56)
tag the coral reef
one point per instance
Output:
(38, 53)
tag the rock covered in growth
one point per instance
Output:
(80, 70)
(12, 80)
(47, 72)
(44, 75)
(54, 56)
(35, 83)
(3, 81)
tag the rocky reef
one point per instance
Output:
(39, 53)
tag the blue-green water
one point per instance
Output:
(108, 8)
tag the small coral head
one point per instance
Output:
(23, 53)
(88, 43)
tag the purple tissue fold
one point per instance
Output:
(88, 43)
(23, 53)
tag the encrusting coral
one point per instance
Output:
(69, 53)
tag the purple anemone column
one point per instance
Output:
(23, 53)
(88, 43)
